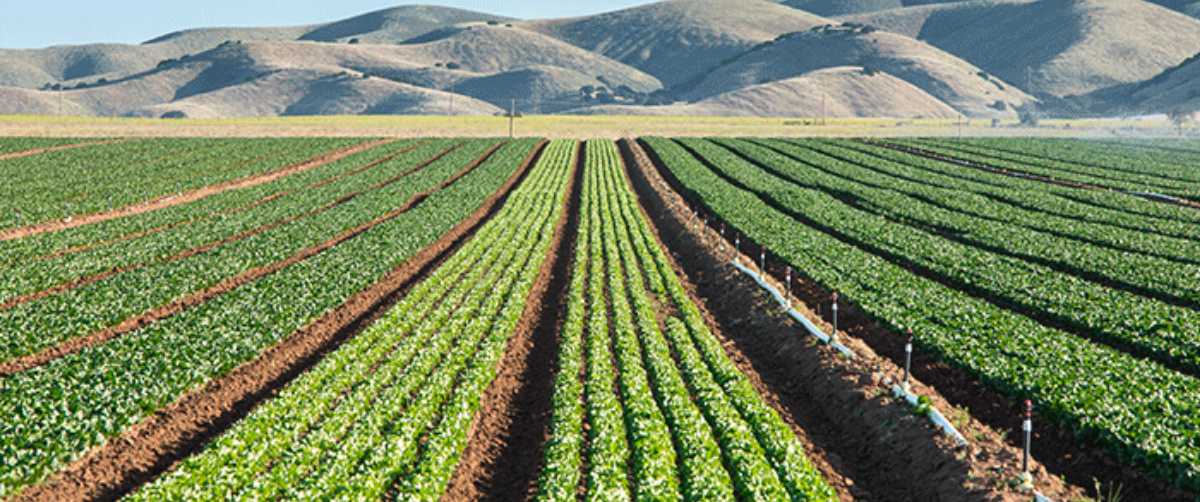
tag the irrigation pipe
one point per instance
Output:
(792, 312)
(935, 416)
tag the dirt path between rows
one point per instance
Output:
(187, 302)
(189, 196)
(503, 459)
(154, 446)
(869, 446)
(49, 149)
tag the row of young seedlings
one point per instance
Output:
(56, 412)
(668, 415)
(390, 410)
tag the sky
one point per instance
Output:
(34, 24)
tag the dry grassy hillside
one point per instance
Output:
(315, 92)
(1055, 47)
(1174, 89)
(254, 79)
(949, 79)
(675, 40)
(35, 68)
(848, 92)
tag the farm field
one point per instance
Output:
(1035, 289)
(487, 318)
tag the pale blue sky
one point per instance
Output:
(28, 24)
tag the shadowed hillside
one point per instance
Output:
(35, 68)
(1055, 47)
(677, 39)
(949, 79)
(849, 92)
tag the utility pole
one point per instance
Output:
(512, 116)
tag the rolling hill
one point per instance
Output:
(264, 78)
(34, 68)
(849, 92)
(1178, 88)
(1053, 47)
(951, 80)
(676, 40)
(714, 57)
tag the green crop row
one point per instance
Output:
(1143, 413)
(34, 326)
(15, 145)
(1166, 164)
(696, 428)
(1100, 240)
(1084, 214)
(232, 217)
(81, 181)
(353, 427)
(1106, 177)
(57, 411)
(1144, 326)
(49, 243)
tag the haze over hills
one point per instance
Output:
(702, 57)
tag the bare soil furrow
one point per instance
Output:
(500, 463)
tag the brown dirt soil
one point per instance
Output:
(502, 459)
(193, 195)
(37, 151)
(868, 445)
(181, 304)
(156, 445)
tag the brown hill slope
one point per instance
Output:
(34, 68)
(1056, 47)
(675, 40)
(257, 78)
(849, 92)
(947, 78)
